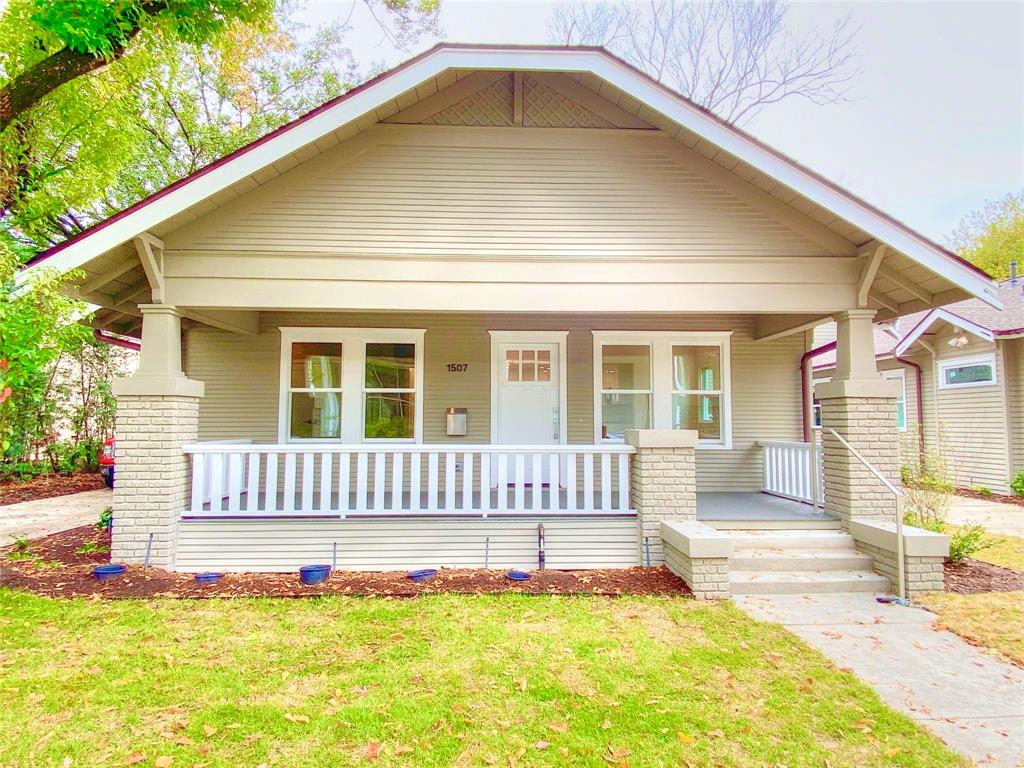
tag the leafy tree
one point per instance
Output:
(38, 324)
(994, 236)
(733, 57)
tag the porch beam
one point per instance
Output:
(878, 298)
(245, 322)
(133, 290)
(97, 282)
(872, 264)
(907, 285)
(772, 327)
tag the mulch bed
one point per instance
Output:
(970, 576)
(967, 493)
(48, 486)
(55, 570)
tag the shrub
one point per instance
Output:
(1017, 485)
(106, 518)
(91, 547)
(966, 540)
(929, 523)
(928, 487)
(981, 490)
(21, 550)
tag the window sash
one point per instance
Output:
(663, 381)
(352, 392)
(945, 366)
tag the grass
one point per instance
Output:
(991, 619)
(437, 681)
(1008, 551)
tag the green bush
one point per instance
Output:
(70, 457)
(106, 518)
(981, 490)
(967, 540)
(23, 470)
(928, 522)
(1018, 483)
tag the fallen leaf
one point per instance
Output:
(716, 734)
(541, 745)
(209, 730)
(372, 750)
(559, 727)
(295, 718)
(402, 749)
(135, 758)
(606, 724)
(68, 762)
(685, 738)
(163, 762)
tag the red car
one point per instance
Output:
(107, 461)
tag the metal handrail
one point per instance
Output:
(900, 566)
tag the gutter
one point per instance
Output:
(807, 396)
(116, 341)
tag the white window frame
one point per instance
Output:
(353, 390)
(662, 387)
(959, 362)
(893, 374)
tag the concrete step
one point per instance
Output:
(800, 560)
(790, 541)
(804, 582)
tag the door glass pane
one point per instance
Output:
(390, 366)
(625, 366)
(700, 412)
(529, 372)
(315, 415)
(620, 412)
(389, 415)
(696, 368)
(316, 365)
(544, 371)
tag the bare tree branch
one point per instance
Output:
(733, 57)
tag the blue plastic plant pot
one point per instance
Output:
(515, 575)
(314, 574)
(209, 577)
(422, 575)
(104, 572)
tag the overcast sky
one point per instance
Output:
(935, 126)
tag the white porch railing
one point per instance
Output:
(787, 471)
(253, 480)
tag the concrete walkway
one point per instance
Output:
(997, 517)
(972, 701)
(44, 516)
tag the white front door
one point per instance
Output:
(528, 397)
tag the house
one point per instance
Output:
(975, 415)
(502, 299)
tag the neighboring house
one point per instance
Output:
(497, 288)
(975, 353)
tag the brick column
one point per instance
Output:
(151, 477)
(663, 485)
(157, 413)
(861, 406)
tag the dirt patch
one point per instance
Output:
(972, 576)
(56, 569)
(48, 486)
(967, 493)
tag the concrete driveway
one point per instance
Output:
(972, 701)
(33, 519)
(997, 517)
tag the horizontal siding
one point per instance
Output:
(404, 198)
(968, 425)
(241, 376)
(1013, 361)
(405, 543)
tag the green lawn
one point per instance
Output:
(994, 620)
(435, 681)
(1007, 551)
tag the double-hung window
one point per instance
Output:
(351, 385)
(900, 375)
(662, 380)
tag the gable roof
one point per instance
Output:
(363, 100)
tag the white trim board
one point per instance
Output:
(362, 102)
(928, 320)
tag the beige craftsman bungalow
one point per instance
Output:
(504, 290)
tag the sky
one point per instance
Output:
(934, 125)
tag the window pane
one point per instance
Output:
(625, 366)
(969, 374)
(696, 368)
(389, 415)
(316, 365)
(901, 413)
(622, 412)
(700, 412)
(391, 366)
(315, 415)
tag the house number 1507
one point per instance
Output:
(458, 367)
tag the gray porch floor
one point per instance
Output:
(755, 507)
